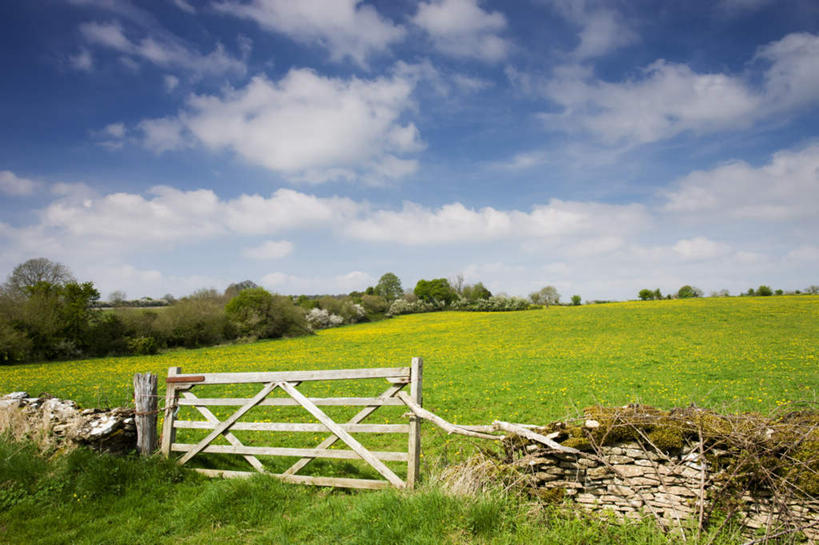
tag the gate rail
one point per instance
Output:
(178, 395)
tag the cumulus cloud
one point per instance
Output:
(163, 50)
(346, 28)
(786, 188)
(14, 185)
(344, 283)
(417, 225)
(305, 126)
(700, 248)
(271, 249)
(461, 28)
(168, 215)
(602, 29)
(667, 99)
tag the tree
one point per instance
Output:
(261, 314)
(657, 294)
(457, 283)
(28, 274)
(576, 300)
(475, 292)
(388, 287)
(812, 290)
(764, 291)
(235, 289)
(687, 292)
(546, 296)
(116, 298)
(645, 294)
(437, 290)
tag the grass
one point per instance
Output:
(89, 499)
(749, 354)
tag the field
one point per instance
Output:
(743, 354)
(751, 353)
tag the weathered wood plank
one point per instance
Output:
(348, 439)
(290, 402)
(533, 436)
(370, 484)
(213, 421)
(440, 422)
(294, 427)
(414, 443)
(145, 412)
(301, 376)
(228, 422)
(360, 416)
(168, 431)
(337, 454)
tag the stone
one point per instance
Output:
(629, 470)
(619, 459)
(598, 472)
(644, 463)
(592, 424)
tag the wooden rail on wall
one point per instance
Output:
(178, 395)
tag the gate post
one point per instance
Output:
(414, 462)
(171, 395)
(145, 412)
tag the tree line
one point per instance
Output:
(47, 314)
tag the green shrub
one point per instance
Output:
(258, 313)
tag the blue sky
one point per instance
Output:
(311, 146)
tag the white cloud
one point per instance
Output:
(163, 50)
(786, 188)
(416, 225)
(185, 6)
(308, 127)
(115, 130)
(171, 82)
(163, 134)
(792, 80)
(805, 252)
(82, 60)
(670, 98)
(123, 222)
(271, 249)
(344, 27)
(11, 184)
(667, 100)
(602, 29)
(700, 248)
(461, 28)
(344, 283)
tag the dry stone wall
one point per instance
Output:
(54, 422)
(632, 482)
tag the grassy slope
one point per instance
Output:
(752, 353)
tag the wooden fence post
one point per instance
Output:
(145, 414)
(168, 431)
(414, 463)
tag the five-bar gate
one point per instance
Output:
(179, 394)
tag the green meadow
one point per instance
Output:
(740, 354)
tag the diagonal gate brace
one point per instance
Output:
(258, 398)
(337, 430)
(359, 417)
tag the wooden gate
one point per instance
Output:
(178, 394)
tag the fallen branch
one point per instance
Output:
(420, 412)
(533, 436)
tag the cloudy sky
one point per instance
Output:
(312, 145)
